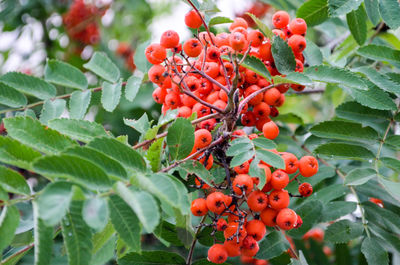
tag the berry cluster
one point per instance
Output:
(127, 53)
(81, 22)
(257, 8)
(198, 78)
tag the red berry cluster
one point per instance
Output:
(81, 22)
(195, 79)
(125, 51)
(257, 8)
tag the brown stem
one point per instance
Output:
(191, 250)
(27, 248)
(202, 20)
(254, 94)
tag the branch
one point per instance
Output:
(203, 21)
(190, 255)
(251, 96)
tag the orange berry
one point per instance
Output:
(193, 20)
(250, 247)
(308, 166)
(291, 162)
(202, 138)
(270, 130)
(237, 41)
(268, 216)
(221, 224)
(315, 233)
(286, 219)
(232, 248)
(217, 254)
(272, 96)
(184, 112)
(155, 53)
(222, 39)
(238, 22)
(159, 95)
(243, 168)
(242, 182)
(265, 51)
(233, 231)
(216, 202)
(298, 26)
(212, 54)
(255, 37)
(261, 110)
(297, 43)
(257, 201)
(201, 110)
(156, 73)
(278, 199)
(199, 207)
(305, 189)
(169, 39)
(279, 179)
(192, 47)
(256, 229)
(280, 19)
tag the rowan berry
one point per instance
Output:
(237, 41)
(192, 47)
(299, 66)
(267, 171)
(270, 130)
(238, 22)
(156, 73)
(243, 168)
(255, 37)
(280, 19)
(297, 43)
(279, 199)
(298, 26)
(233, 248)
(308, 166)
(256, 229)
(272, 96)
(201, 110)
(378, 202)
(279, 179)
(250, 247)
(257, 201)
(315, 233)
(217, 254)
(299, 222)
(250, 90)
(261, 111)
(242, 183)
(305, 189)
(221, 224)
(216, 202)
(234, 231)
(193, 20)
(199, 207)
(268, 216)
(207, 164)
(184, 112)
(208, 124)
(279, 33)
(265, 51)
(286, 219)
(159, 95)
(291, 162)
(222, 39)
(172, 100)
(155, 53)
(169, 39)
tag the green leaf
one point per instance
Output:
(356, 112)
(263, 142)
(73, 168)
(382, 217)
(391, 163)
(272, 245)
(132, 87)
(95, 213)
(314, 12)
(52, 109)
(110, 95)
(343, 130)
(283, 56)
(79, 103)
(380, 53)
(357, 23)
(31, 133)
(359, 176)
(373, 98)
(43, 238)
(81, 130)
(9, 220)
(292, 78)
(238, 146)
(389, 240)
(195, 167)
(390, 10)
(374, 253)
(14, 153)
(101, 238)
(30, 85)
(168, 232)
(312, 53)
(13, 182)
(11, 97)
(180, 138)
(256, 171)
(122, 153)
(343, 231)
(206, 262)
(335, 75)
(219, 20)
(290, 118)
(109, 165)
(152, 258)
(140, 59)
(142, 203)
(77, 236)
(393, 140)
(105, 254)
(329, 193)
(346, 151)
(342, 7)
(380, 80)
(64, 74)
(125, 222)
(102, 66)
(239, 159)
(301, 261)
(256, 65)
(141, 125)
(163, 187)
(392, 187)
(261, 26)
(372, 8)
(310, 213)
(337, 209)
(271, 158)
(54, 201)
(153, 154)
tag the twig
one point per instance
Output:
(254, 94)
(190, 255)
(377, 31)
